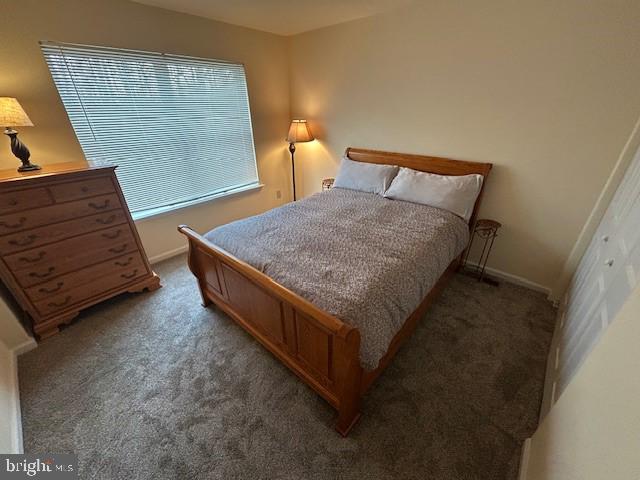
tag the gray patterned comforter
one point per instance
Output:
(365, 259)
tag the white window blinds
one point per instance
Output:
(179, 128)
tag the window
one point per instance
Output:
(179, 128)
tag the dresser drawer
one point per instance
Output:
(124, 265)
(57, 213)
(30, 239)
(41, 264)
(90, 282)
(18, 200)
(66, 192)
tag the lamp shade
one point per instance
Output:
(12, 114)
(299, 132)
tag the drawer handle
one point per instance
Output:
(51, 290)
(118, 249)
(13, 202)
(49, 271)
(605, 239)
(84, 189)
(609, 263)
(100, 207)
(124, 264)
(106, 221)
(21, 221)
(37, 258)
(112, 235)
(60, 304)
(24, 241)
(129, 275)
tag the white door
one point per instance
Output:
(606, 275)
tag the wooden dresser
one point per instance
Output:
(67, 241)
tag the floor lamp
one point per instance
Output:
(298, 132)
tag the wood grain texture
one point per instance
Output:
(72, 254)
(67, 241)
(127, 266)
(320, 348)
(68, 191)
(71, 170)
(21, 200)
(60, 212)
(85, 284)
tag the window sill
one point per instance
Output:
(154, 212)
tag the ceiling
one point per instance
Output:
(284, 17)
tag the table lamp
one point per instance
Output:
(12, 115)
(298, 132)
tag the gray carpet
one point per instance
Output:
(154, 386)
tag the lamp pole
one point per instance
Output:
(292, 149)
(298, 132)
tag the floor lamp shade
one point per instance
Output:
(298, 132)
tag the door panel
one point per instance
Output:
(569, 363)
(604, 279)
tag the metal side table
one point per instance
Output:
(487, 230)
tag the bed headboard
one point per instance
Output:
(424, 163)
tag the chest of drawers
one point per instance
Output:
(67, 241)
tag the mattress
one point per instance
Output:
(365, 259)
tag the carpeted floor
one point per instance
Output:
(154, 386)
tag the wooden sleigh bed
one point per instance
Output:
(320, 348)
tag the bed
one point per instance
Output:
(334, 283)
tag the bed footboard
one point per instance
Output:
(322, 350)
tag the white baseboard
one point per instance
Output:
(24, 347)
(171, 253)
(508, 277)
(524, 460)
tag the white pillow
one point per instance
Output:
(366, 177)
(454, 193)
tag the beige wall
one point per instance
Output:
(129, 25)
(591, 433)
(546, 90)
